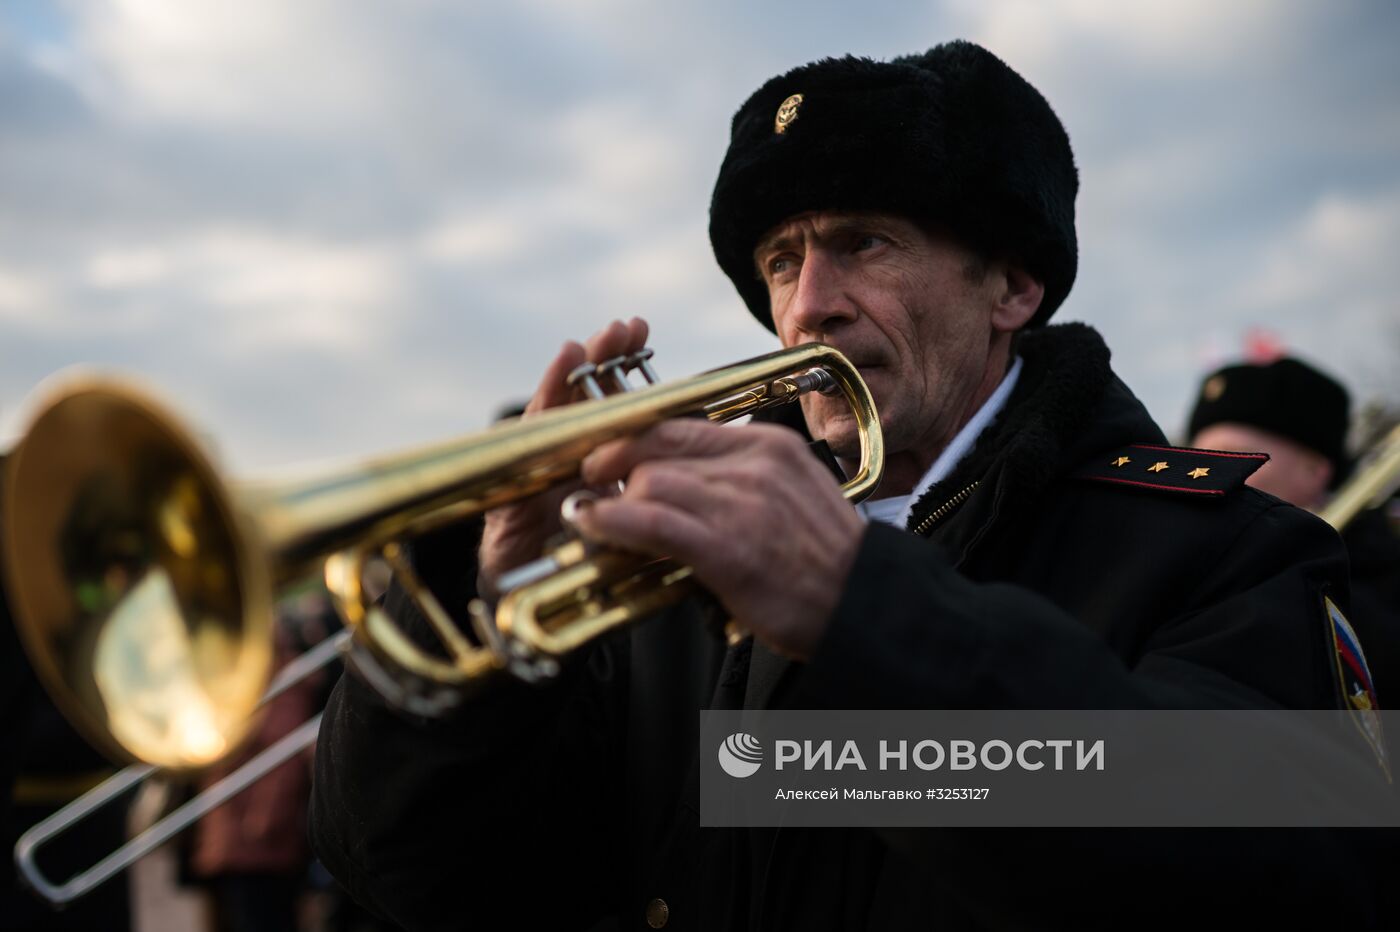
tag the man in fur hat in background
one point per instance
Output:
(1300, 417)
(1035, 544)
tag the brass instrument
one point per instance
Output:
(1374, 481)
(143, 581)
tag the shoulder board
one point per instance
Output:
(1205, 473)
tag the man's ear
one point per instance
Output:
(1323, 470)
(1018, 297)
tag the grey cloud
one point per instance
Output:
(571, 148)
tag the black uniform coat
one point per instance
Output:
(1374, 551)
(558, 807)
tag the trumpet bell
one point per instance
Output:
(132, 578)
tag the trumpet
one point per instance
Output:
(1374, 482)
(143, 581)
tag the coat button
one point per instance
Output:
(658, 913)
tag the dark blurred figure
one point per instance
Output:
(311, 619)
(46, 765)
(1299, 416)
(252, 852)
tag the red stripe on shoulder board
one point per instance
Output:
(1154, 485)
(1193, 451)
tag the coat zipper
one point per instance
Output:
(944, 510)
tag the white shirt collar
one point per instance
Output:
(897, 509)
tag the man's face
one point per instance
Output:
(1294, 473)
(905, 305)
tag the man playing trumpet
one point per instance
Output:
(1036, 544)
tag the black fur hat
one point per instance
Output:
(952, 136)
(1287, 397)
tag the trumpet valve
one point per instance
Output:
(585, 377)
(641, 360)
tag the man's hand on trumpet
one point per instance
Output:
(761, 520)
(759, 517)
(516, 533)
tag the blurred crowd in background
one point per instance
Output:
(244, 867)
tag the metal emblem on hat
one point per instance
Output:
(787, 113)
(1214, 388)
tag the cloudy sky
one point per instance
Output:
(327, 227)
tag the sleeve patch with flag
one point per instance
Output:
(1358, 695)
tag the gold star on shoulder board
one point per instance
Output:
(1199, 472)
(1121, 461)
(1157, 466)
